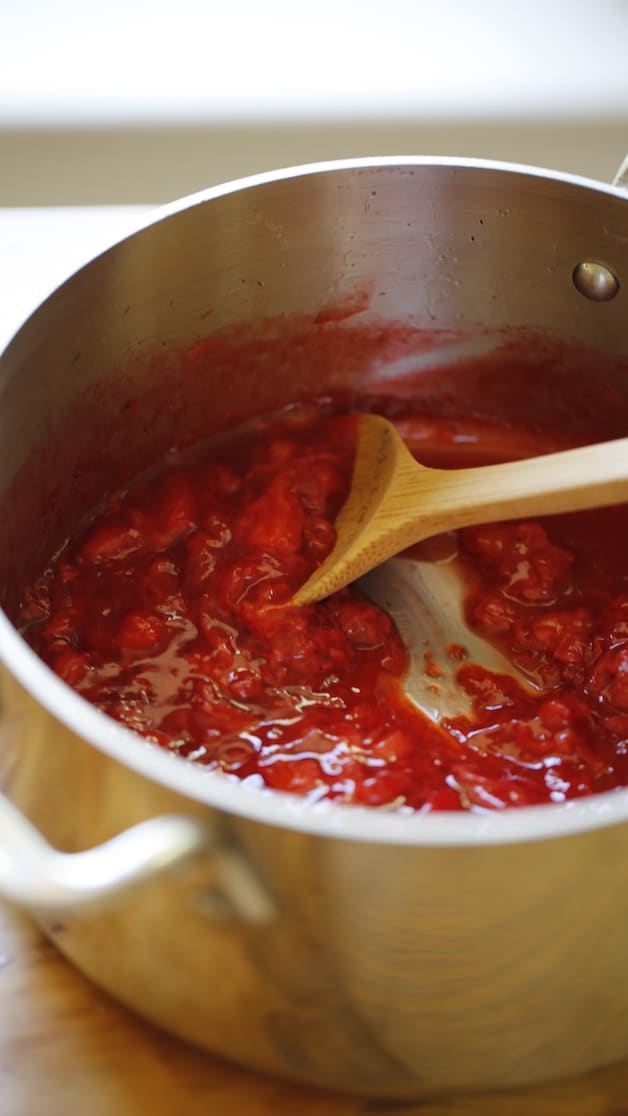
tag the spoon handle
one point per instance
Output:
(572, 480)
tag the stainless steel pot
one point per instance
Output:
(347, 947)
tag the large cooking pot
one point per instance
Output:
(348, 947)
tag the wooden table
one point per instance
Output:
(67, 1047)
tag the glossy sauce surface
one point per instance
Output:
(171, 610)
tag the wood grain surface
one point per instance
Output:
(66, 1047)
(395, 501)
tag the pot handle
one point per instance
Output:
(621, 178)
(33, 874)
(39, 877)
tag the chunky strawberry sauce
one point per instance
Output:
(171, 611)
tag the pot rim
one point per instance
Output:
(278, 808)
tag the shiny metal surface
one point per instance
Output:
(595, 281)
(351, 948)
(35, 875)
(621, 178)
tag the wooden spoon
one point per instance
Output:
(426, 600)
(395, 502)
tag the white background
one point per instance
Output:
(80, 61)
(135, 101)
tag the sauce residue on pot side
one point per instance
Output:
(171, 610)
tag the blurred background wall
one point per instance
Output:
(128, 101)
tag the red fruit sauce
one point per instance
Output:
(170, 609)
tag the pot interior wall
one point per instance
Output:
(242, 302)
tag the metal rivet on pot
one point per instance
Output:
(595, 281)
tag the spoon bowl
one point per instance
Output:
(426, 601)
